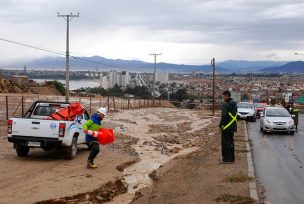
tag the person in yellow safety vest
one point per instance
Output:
(228, 126)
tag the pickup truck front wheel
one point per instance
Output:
(71, 151)
(22, 151)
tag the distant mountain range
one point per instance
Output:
(101, 63)
(104, 64)
(291, 67)
(248, 66)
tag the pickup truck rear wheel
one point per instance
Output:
(22, 151)
(71, 151)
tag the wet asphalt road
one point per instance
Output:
(279, 163)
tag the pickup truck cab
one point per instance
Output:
(36, 130)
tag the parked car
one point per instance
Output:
(259, 108)
(277, 119)
(35, 130)
(246, 111)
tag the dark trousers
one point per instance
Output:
(94, 150)
(228, 147)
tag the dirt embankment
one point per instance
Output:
(199, 178)
(8, 85)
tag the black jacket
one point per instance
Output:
(228, 106)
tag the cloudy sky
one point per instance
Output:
(184, 31)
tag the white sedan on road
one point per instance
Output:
(277, 119)
(246, 111)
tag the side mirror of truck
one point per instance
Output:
(293, 116)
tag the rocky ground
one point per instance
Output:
(148, 150)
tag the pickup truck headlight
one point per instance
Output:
(268, 121)
(291, 122)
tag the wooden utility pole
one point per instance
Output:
(154, 77)
(213, 89)
(68, 18)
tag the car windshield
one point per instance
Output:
(259, 105)
(277, 113)
(245, 105)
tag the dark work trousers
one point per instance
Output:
(94, 147)
(228, 147)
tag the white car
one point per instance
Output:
(277, 119)
(246, 111)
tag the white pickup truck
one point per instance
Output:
(35, 131)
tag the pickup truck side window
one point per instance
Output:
(42, 111)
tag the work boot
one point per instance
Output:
(91, 165)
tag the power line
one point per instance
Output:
(61, 53)
(32, 46)
(57, 52)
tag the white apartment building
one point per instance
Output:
(124, 78)
(162, 77)
(104, 82)
(113, 78)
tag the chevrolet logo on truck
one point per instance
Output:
(35, 128)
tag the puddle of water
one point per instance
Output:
(137, 175)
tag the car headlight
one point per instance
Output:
(291, 122)
(267, 121)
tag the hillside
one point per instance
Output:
(292, 67)
(8, 85)
(248, 66)
(91, 63)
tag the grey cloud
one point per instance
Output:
(267, 24)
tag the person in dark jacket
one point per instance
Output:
(93, 124)
(228, 126)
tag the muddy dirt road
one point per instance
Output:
(154, 135)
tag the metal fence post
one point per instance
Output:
(6, 100)
(90, 104)
(128, 103)
(108, 103)
(22, 106)
(114, 103)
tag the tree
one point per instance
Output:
(138, 91)
(115, 91)
(180, 95)
(58, 85)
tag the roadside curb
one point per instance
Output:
(251, 172)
